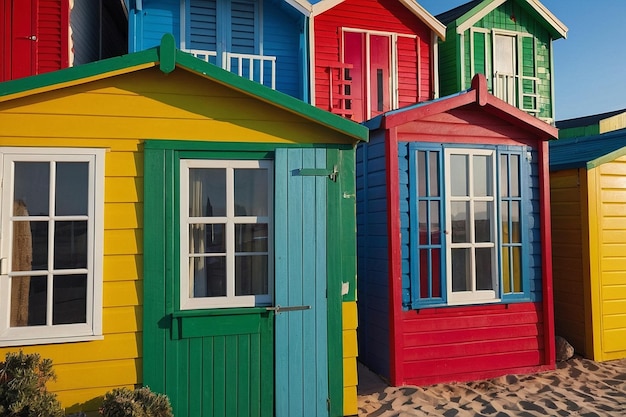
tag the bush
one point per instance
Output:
(122, 402)
(23, 390)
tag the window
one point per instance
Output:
(226, 233)
(466, 206)
(52, 228)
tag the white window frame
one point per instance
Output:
(49, 333)
(187, 302)
(473, 296)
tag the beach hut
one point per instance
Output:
(168, 223)
(454, 265)
(262, 40)
(35, 34)
(592, 125)
(372, 56)
(510, 42)
(588, 187)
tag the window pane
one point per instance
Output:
(482, 175)
(430, 272)
(515, 175)
(506, 272)
(506, 235)
(207, 238)
(72, 188)
(434, 174)
(461, 272)
(70, 245)
(251, 275)
(28, 301)
(32, 183)
(423, 223)
(421, 173)
(39, 233)
(484, 269)
(251, 237)
(207, 192)
(515, 222)
(460, 220)
(208, 276)
(22, 247)
(435, 258)
(69, 298)
(251, 190)
(424, 277)
(459, 175)
(504, 175)
(482, 221)
(517, 269)
(435, 228)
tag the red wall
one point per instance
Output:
(379, 15)
(470, 343)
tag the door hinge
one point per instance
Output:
(316, 172)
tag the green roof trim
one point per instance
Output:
(168, 58)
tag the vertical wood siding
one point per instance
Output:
(570, 269)
(382, 15)
(372, 255)
(118, 114)
(611, 283)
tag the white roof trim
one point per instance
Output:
(302, 6)
(430, 21)
(535, 4)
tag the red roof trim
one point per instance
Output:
(480, 95)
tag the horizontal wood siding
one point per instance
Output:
(389, 16)
(372, 255)
(282, 37)
(119, 114)
(468, 343)
(349, 324)
(534, 225)
(611, 281)
(52, 35)
(523, 22)
(568, 257)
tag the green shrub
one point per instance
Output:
(122, 402)
(23, 390)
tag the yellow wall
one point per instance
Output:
(570, 267)
(609, 275)
(350, 353)
(613, 123)
(118, 114)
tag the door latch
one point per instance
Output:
(278, 309)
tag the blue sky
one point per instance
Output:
(590, 65)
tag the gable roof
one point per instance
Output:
(320, 6)
(466, 15)
(587, 152)
(168, 58)
(477, 94)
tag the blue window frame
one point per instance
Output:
(468, 208)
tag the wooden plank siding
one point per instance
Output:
(570, 269)
(119, 113)
(372, 256)
(610, 281)
(52, 35)
(387, 16)
(468, 343)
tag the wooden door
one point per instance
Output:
(380, 75)
(18, 39)
(505, 68)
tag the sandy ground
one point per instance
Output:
(578, 387)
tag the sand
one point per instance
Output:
(578, 387)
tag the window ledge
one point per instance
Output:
(49, 340)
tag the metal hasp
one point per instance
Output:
(314, 172)
(279, 309)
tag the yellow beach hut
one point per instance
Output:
(170, 224)
(588, 194)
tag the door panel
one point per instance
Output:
(504, 68)
(17, 52)
(301, 336)
(353, 46)
(380, 65)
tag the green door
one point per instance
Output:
(236, 310)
